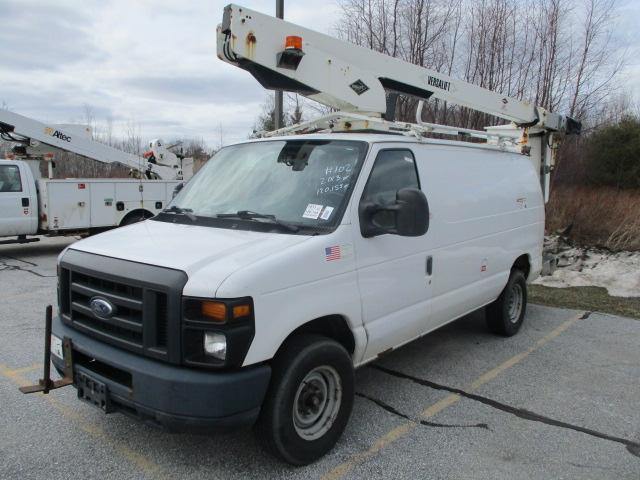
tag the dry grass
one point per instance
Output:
(594, 299)
(596, 216)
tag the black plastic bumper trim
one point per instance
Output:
(175, 397)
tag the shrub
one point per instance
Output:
(613, 155)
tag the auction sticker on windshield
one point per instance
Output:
(312, 211)
(326, 213)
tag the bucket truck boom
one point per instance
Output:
(33, 134)
(31, 205)
(360, 82)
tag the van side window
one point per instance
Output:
(393, 170)
(10, 179)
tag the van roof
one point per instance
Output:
(357, 136)
(372, 138)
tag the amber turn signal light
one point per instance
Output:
(214, 310)
(241, 311)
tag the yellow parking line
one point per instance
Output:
(437, 407)
(401, 430)
(146, 465)
(12, 373)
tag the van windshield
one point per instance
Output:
(288, 186)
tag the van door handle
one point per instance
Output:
(429, 265)
(25, 202)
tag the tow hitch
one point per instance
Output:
(45, 384)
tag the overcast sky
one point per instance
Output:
(154, 62)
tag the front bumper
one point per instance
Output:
(174, 397)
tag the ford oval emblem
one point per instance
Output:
(101, 307)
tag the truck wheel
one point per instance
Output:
(309, 400)
(506, 314)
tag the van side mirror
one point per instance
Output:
(408, 216)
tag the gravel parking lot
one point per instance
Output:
(559, 400)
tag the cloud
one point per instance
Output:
(152, 62)
(58, 104)
(205, 89)
(45, 37)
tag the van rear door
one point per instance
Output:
(18, 205)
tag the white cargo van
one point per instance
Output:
(287, 263)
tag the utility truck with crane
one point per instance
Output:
(32, 205)
(291, 260)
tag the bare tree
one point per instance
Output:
(108, 136)
(89, 119)
(555, 53)
(266, 120)
(596, 67)
(295, 113)
(132, 142)
(5, 147)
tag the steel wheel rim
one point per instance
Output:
(516, 300)
(317, 402)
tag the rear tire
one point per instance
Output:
(309, 400)
(506, 315)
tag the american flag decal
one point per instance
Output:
(332, 253)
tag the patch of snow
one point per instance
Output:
(619, 272)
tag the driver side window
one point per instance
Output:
(393, 170)
(10, 179)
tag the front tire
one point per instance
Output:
(309, 400)
(506, 315)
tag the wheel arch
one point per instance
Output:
(129, 218)
(523, 263)
(333, 326)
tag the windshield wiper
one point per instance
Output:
(249, 215)
(181, 211)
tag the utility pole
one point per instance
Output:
(278, 99)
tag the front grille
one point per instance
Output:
(146, 318)
(162, 316)
(126, 325)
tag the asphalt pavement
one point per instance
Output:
(558, 400)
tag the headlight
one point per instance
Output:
(215, 344)
(216, 332)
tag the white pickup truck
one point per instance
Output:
(30, 205)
